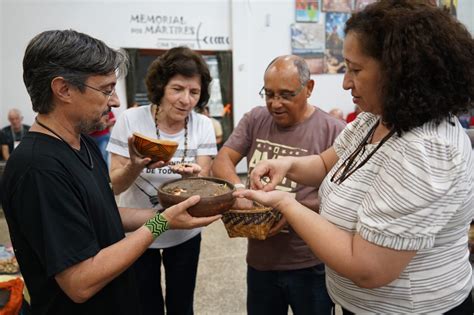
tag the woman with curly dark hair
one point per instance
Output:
(177, 82)
(397, 187)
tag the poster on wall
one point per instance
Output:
(334, 40)
(359, 5)
(307, 38)
(315, 63)
(344, 6)
(307, 10)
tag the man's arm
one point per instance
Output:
(133, 218)
(83, 280)
(224, 165)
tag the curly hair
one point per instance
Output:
(178, 60)
(426, 56)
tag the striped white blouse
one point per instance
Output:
(414, 193)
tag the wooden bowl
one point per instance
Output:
(216, 194)
(156, 149)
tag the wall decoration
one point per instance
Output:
(334, 40)
(315, 63)
(344, 6)
(361, 4)
(307, 38)
(307, 10)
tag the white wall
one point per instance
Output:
(258, 31)
(109, 20)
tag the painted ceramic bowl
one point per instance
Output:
(156, 149)
(216, 194)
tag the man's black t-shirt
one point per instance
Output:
(61, 212)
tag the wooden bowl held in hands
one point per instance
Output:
(216, 194)
(155, 149)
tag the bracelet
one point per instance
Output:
(157, 225)
(239, 185)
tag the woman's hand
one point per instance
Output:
(137, 161)
(242, 204)
(275, 199)
(179, 218)
(268, 174)
(186, 169)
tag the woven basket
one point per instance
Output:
(254, 223)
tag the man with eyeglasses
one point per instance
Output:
(66, 229)
(282, 271)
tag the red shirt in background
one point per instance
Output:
(106, 130)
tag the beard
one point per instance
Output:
(88, 126)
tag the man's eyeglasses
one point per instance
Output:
(106, 93)
(286, 96)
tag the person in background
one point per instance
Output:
(337, 113)
(66, 229)
(282, 271)
(177, 82)
(2, 140)
(397, 186)
(13, 133)
(215, 123)
(352, 115)
(101, 137)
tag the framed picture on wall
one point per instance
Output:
(344, 6)
(307, 10)
(307, 38)
(315, 63)
(334, 40)
(359, 5)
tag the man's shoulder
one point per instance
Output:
(331, 121)
(259, 110)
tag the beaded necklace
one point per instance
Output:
(185, 133)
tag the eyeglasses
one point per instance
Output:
(106, 93)
(285, 96)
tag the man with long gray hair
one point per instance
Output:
(65, 226)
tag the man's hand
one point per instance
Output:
(179, 218)
(277, 227)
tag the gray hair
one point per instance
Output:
(14, 111)
(303, 69)
(299, 63)
(69, 54)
